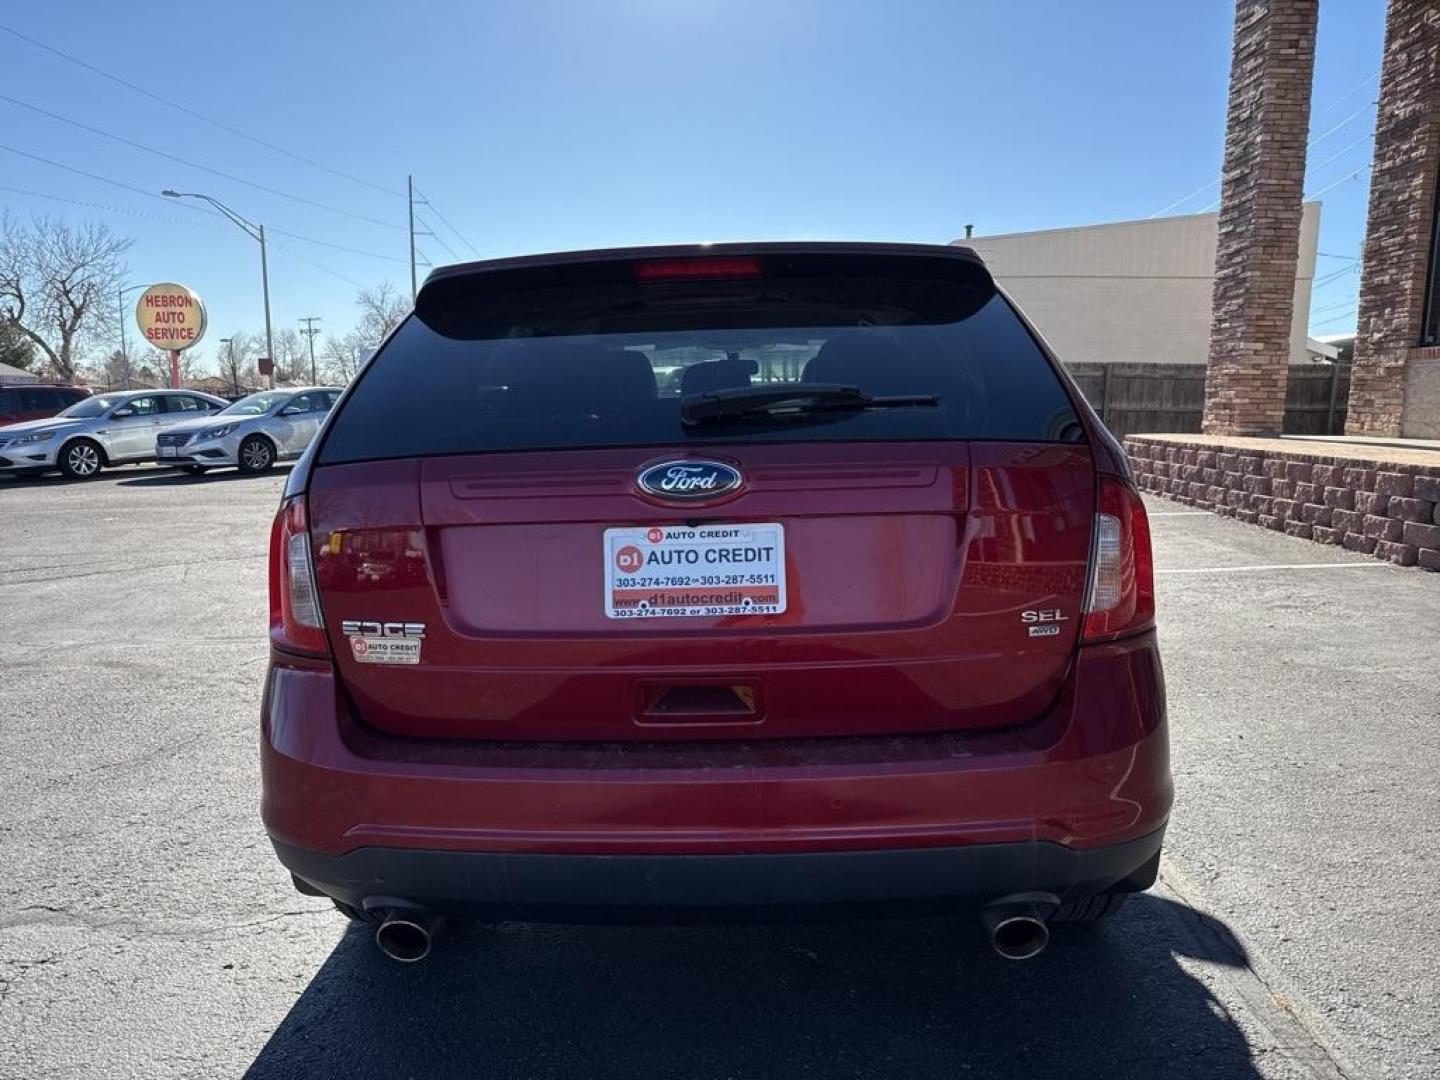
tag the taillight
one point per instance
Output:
(1121, 596)
(295, 621)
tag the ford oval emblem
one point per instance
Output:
(688, 481)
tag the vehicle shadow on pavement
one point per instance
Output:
(906, 999)
(183, 479)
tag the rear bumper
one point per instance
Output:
(583, 887)
(1073, 802)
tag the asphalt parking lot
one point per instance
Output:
(146, 931)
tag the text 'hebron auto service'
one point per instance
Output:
(172, 318)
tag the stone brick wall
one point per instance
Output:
(1397, 235)
(1266, 128)
(1387, 509)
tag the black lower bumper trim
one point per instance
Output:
(619, 887)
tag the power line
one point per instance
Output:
(441, 241)
(103, 208)
(175, 221)
(335, 247)
(97, 176)
(1348, 94)
(1338, 318)
(1316, 140)
(1334, 276)
(198, 115)
(444, 221)
(1309, 143)
(183, 221)
(151, 195)
(195, 164)
(1367, 138)
(317, 265)
(1356, 175)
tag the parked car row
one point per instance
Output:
(188, 428)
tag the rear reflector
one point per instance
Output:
(1121, 598)
(697, 269)
(295, 622)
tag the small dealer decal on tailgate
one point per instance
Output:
(384, 642)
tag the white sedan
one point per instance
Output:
(252, 434)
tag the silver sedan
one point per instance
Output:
(252, 434)
(107, 429)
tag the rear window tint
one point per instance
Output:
(606, 363)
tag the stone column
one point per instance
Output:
(1267, 125)
(1395, 388)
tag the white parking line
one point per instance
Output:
(1180, 513)
(1275, 566)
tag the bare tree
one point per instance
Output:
(57, 284)
(115, 372)
(340, 357)
(236, 359)
(380, 309)
(154, 366)
(292, 356)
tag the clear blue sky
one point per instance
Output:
(535, 125)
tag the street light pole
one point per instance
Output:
(255, 232)
(124, 345)
(265, 286)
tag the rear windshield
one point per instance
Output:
(607, 360)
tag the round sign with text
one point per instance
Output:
(170, 316)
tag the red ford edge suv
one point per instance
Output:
(693, 579)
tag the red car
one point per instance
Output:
(33, 401)
(855, 614)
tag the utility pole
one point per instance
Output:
(415, 259)
(410, 200)
(310, 332)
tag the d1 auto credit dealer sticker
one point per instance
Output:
(384, 650)
(712, 570)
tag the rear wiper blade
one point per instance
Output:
(796, 400)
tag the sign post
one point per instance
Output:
(171, 317)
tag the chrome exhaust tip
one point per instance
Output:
(407, 935)
(1019, 936)
(1016, 925)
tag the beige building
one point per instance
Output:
(1131, 291)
